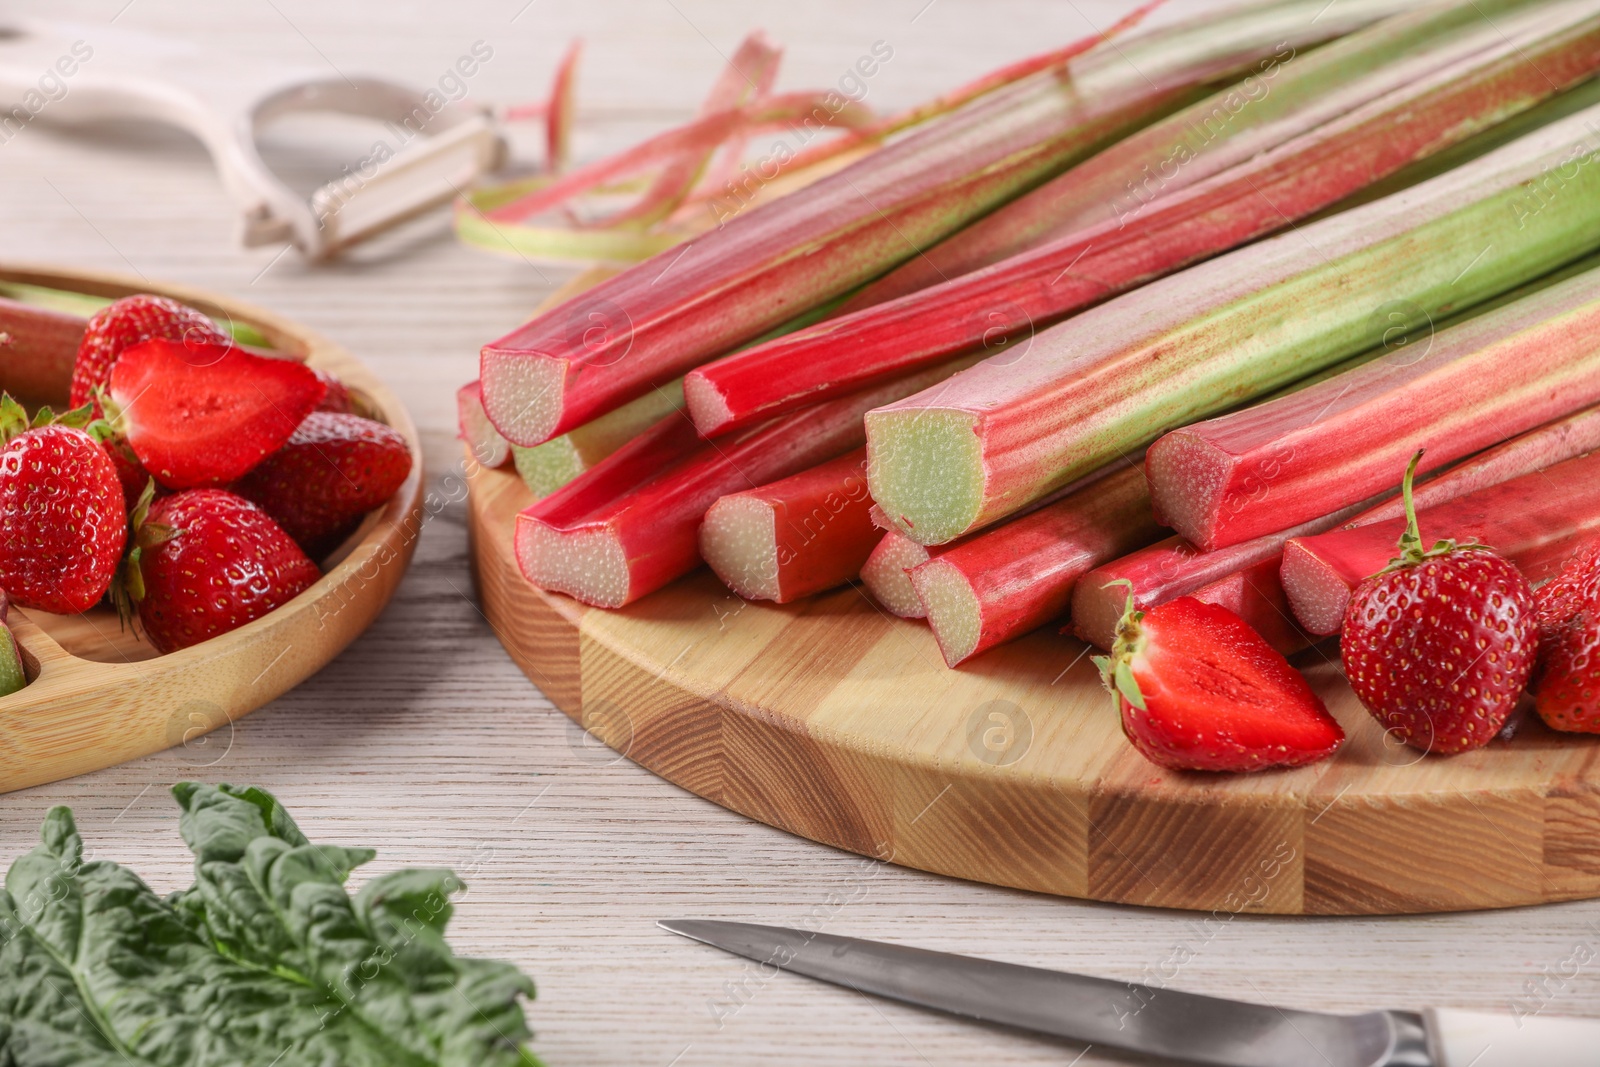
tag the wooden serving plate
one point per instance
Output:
(99, 696)
(836, 721)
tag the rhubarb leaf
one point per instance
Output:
(266, 959)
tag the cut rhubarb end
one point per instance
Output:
(522, 394)
(706, 404)
(547, 467)
(885, 577)
(952, 607)
(489, 447)
(1317, 592)
(1097, 610)
(739, 540)
(1188, 480)
(926, 471)
(587, 563)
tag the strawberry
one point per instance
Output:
(1567, 694)
(127, 322)
(337, 399)
(1564, 596)
(1200, 690)
(333, 470)
(63, 523)
(205, 414)
(1440, 644)
(130, 472)
(206, 561)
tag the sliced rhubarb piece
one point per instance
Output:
(547, 467)
(764, 266)
(1000, 306)
(488, 447)
(200, 414)
(1256, 595)
(1015, 578)
(1287, 94)
(37, 348)
(1536, 521)
(801, 535)
(1245, 474)
(1009, 431)
(622, 530)
(886, 573)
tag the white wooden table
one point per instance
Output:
(424, 741)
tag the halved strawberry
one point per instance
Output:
(62, 519)
(129, 321)
(1567, 694)
(206, 561)
(1200, 690)
(199, 415)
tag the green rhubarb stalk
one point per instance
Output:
(1009, 431)
(547, 467)
(652, 322)
(1286, 95)
(86, 304)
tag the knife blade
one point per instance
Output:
(1187, 1027)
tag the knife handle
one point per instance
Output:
(1479, 1039)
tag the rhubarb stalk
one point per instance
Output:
(805, 534)
(628, 526)
(658, 319)
(1010, 430)
(1287, 461)
(998, 307)
(473, 426)
(1287, 95)
(1536, 521)
(1017, 577)
(887, 573)
(37, 349)
(547, 467)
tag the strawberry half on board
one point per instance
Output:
(1440, 644)
(63, 523)
(1200, 690)
(127, 322)
(333, 470)
(204, 562)
(205, 414)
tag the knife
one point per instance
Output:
(1180, 1026)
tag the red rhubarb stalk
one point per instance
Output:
(1009, 431)
(1242, 475)
(1287, 95)
(1015, 578)
(1000, 306)
(805, 534)
(768, 264)
(37, 349)
(1536, 521)
(1256, 595)
(473, 427)
(628, 526)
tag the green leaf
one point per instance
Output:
(265, 960)
(1128, 686)
(12, 676)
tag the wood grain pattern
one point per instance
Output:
(99, 696)
(789, 714)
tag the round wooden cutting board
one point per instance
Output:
(833, 720)
(99, 695)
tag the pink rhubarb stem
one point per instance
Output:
(997, 308)
(37, 350)
(1536, 521)
(801, 535)
(473, 426)
(1016, 577)
(628, 526)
